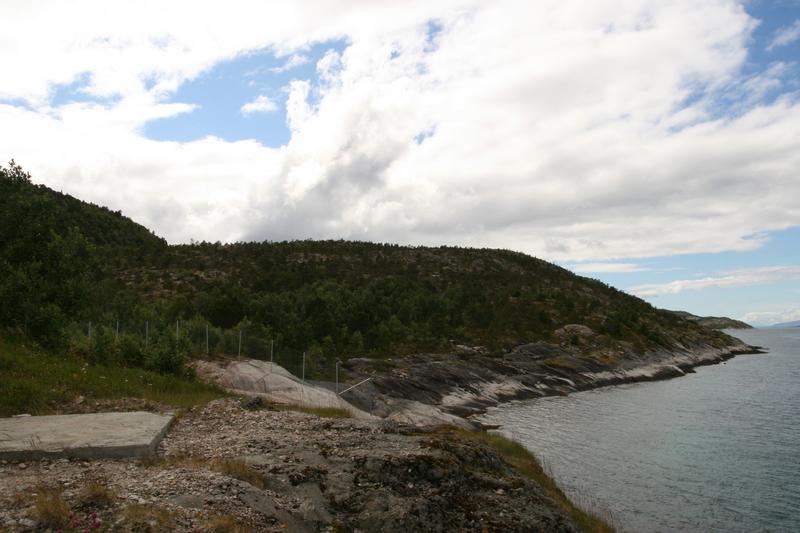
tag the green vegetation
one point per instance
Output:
(83, 280)
(38, 383)
(524, 462)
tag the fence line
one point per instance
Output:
(204, 338)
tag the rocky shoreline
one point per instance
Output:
(245, 466)
(236, 465)
(430, 389)
(427, 390)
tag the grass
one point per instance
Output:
(49, 508)
(38, 383)
(97, 494)
(240, 470)
(223, 524)
(524, 462)
(323, 412)
(257, 402)
(231, 467)
(148, 518)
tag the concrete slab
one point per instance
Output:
(90, 436)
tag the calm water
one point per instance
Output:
(718, 450)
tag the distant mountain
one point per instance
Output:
(715, 322)
(792, 324)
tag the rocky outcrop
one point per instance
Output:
(268, 471)
(433, 389)
(252, 377)
(467, 383)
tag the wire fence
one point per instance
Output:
(205, 340)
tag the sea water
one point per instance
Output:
(718, 450)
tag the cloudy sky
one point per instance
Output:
(654, 145)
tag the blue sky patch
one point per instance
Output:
(220, 93)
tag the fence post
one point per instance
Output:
(337, 376)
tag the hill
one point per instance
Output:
(117, 291)
(22, 201)
(714, 322)
(793, 324)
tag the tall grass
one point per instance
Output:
(39, 383)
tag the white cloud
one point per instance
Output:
(767, 318)
(294, 61)
(607, 267)
(735, 278)
(786, 35)
(262, 104)
(558, 127)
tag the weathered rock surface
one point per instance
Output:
(315, 475)
(427, 390)
(466, 383)
(273, 382)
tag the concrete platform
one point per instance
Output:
(90, 436)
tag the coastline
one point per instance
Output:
(430, 390)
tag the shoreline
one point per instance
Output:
(431, 390)
(642, 374)
(662, 371)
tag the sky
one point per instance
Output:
(652, 145)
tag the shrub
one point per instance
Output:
(148, 518)
(223, 524)
(238, 469)
(97, 494)
(49, 507)
(169, 355)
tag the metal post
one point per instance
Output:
(240, 343)
(146, 333)
(304, 367)
(207, 352)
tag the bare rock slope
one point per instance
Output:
(267, 470)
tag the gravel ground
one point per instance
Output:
(223, 467)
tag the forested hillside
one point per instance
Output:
(91, 279)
